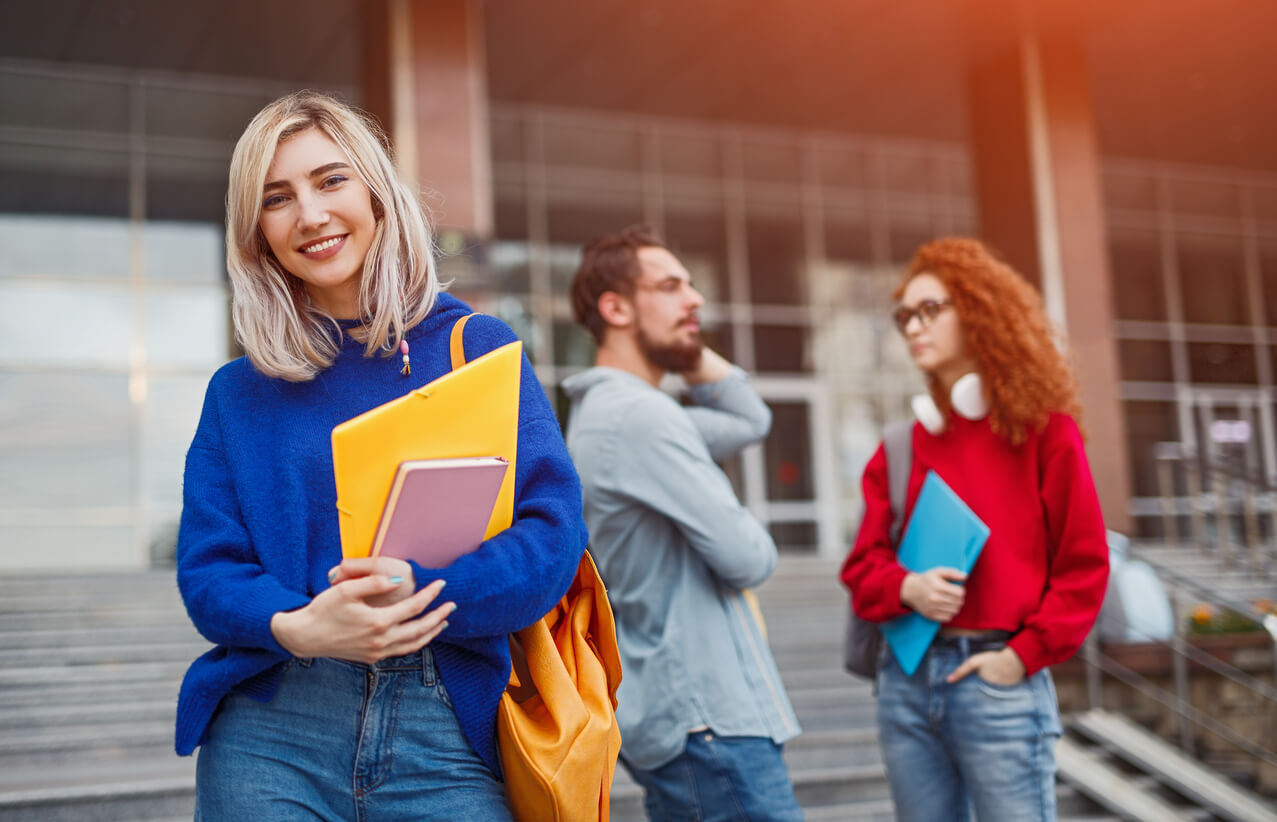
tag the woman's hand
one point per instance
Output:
(1001, 667)
(935, 594)
(341, 622)
(396, 570)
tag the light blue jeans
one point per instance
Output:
(973, 744)
(343, 741)
(720, 779)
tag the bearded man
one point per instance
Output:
(702, 710)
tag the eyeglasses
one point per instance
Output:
(926, 312)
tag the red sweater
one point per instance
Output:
(1042, 573)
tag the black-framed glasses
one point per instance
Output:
(926, 312)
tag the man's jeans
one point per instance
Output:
(343, 741)
(949, 748)
(720, 779)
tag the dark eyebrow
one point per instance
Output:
(316, 173)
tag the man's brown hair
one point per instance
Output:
(610, 263)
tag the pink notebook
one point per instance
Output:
(438, 509)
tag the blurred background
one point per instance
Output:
(1123, 155)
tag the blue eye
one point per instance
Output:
(335, 179)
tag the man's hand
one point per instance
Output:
(1002, 667)
(935, 594)
(712, 368)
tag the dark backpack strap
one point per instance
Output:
(897, 440)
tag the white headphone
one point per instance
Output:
(966, 397)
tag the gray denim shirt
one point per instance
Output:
(675, 548)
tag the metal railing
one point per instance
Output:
(1232, 518)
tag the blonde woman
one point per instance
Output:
(345, 689)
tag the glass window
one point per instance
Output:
(718, 336)
(506, 136)
(699, 239)
(35, 101)
(1212, 282)
(186, 327)
(509, 267)
(194, 193)
(592, 145)
(843, 168)
(65, 442)
(173, 404)
(905, 238)
(1147, 423)
(1268, 277)
(79, 326)
(511, 217)
(1137, 192)
(1145, 360)
(795, 536)
(184, 252)
(782, 348)
(907, 172)
(1205, 198)
(787, 451)
(847, 238)
(205, 114)
(1138, 285)
(572, 225)
(573, 345)
(1263, 201)
(690, 154)
(52, 180)
(1222, 363)
(776, 260)
(68, 248)
(778, 161)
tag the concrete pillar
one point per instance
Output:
(425, 79)
(1037, 181)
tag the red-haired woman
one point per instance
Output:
(975, 725)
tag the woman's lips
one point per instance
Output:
(325, 248)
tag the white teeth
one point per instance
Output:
(326, 244)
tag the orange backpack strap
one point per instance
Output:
(456, 344)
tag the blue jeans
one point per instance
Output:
(343, 741)
(950, 748)
(720, 779)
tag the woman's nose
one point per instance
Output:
(311, 212)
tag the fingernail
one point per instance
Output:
(396, 580)
(443, 624)
(332, 576)
(454, 607)
(442, 582)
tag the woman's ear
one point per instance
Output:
(616, 309)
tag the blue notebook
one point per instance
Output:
(942, 531)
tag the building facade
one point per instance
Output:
(794, 160)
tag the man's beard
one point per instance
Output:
(676, 357)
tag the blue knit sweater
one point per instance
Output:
(259, 525)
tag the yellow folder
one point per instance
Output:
(472, 411)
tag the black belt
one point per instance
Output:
(990, 641)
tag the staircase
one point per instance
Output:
(90, 665)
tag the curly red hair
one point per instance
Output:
(1006, 330)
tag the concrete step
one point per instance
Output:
(173, 632)
(137, 671)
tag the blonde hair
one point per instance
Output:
(284, 334)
